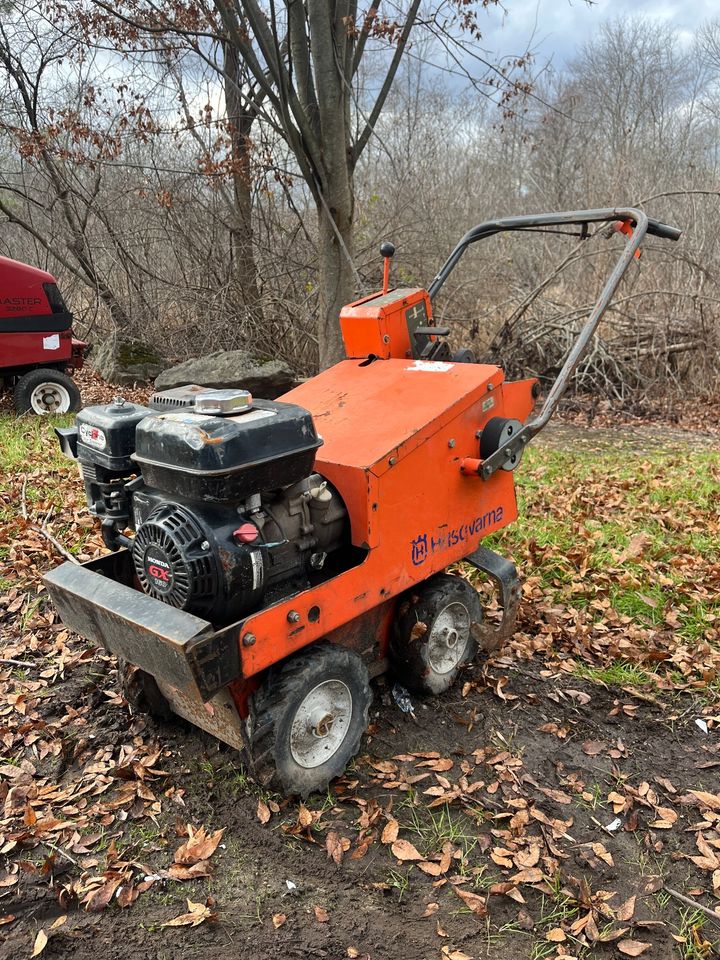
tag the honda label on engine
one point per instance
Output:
(159, 571)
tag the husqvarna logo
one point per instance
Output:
(419, 549)
(426, 543)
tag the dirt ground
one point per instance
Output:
(537, 810)
(554, 746)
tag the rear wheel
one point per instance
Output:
(46, 391)
(433, 634)
(310, 716)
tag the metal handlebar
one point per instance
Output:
(642, 225)
(663, 230)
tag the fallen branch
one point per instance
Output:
(689, 902)
(8, 662)
(56, 543)
(23, 501)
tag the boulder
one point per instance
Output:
(266, 379)
(127, 360)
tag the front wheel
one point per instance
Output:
(46, 391)
(309, 718)
(433, 635)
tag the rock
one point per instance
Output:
(127, 360)
(266, 379)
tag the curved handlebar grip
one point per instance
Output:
(663, 230)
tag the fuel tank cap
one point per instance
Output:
(223, 403)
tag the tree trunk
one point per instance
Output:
(337, 280)
(241, 120)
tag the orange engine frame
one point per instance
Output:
(396, 432)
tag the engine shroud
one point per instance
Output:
(225, 459)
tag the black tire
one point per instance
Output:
(31, 397)
(284, 750)
(433, 634)
(141, 691)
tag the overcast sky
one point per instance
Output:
(555, 27)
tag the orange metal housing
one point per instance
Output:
(382, 324)
(395, 434)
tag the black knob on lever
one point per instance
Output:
(387, 249)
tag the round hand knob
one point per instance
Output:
(387, 249)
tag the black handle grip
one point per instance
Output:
(663, 230)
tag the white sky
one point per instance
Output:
(556, 27)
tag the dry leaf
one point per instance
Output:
(449, 954)
(507, 889)
(666, 818)
(430, 909)
(530, 875)
(200, 869)
(126, 895)
(336, 846)
(199, 846)
(390, 832)
(600, 851)
(419, 630)
(40, 943)
(321, 914)
(556, 935)
(476, 903)
(197, 913)
(633, 948)
(99, 899)
(404, 850)
(529, 857)
(626, 910)
(637, 546)
(709, 800)
(305, 817)
(278, 919)
(263, 811)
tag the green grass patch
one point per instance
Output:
(629, 540)
(618, 674)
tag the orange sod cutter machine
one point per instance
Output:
(270, 557)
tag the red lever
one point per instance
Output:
(623, 226)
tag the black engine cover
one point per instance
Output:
(226, 459)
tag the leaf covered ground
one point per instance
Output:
(546, 807)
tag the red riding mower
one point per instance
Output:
(37, 348)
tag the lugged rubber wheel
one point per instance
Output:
(433, 635)
(309, 718)
(142, 692)
(46, 391)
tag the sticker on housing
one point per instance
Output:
(51, 343)
(93, 436)
(431, 366)
(488, 404)
(257, 569)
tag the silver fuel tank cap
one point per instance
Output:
(223, 403)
